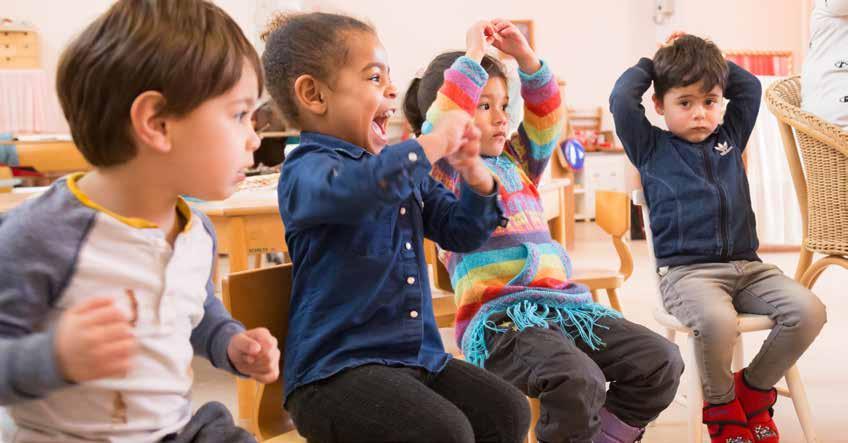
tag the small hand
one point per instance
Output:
(255, 353)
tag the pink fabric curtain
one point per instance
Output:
(775, 64)
(28, 103)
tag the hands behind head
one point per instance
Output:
(504, 36)
(672, 38)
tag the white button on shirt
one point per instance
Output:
(402, 211)
(408, 246)
(413, 314)
(410, 280)
(413, 157)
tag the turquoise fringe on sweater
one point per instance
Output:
(576, 317)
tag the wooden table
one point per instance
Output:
(50, 156)
(249, 221)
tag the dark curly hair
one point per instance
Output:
(687, 61)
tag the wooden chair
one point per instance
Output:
(260, 298)
(612, 214)
(821, 184)
(745, 323)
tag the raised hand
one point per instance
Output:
(478, 39)
(509, 40)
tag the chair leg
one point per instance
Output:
(694, 395)
(799, 400)
(670, 334)
(738, 362)
(815, 270)
(594, 295)
(804, 262)
(535, 413)
(613, 298)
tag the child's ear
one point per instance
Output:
(658, 105)
(149, 127)
(309, 92)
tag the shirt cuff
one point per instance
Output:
(35, 366)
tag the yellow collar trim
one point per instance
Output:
(182, 207)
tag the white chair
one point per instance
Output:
(746, 323)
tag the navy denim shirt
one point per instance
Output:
(355, 224)
(698, 192)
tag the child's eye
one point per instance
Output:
(504, 107)
(685, 104)
(241, 115)
(710, 102)
(483, 106)
(375, 78)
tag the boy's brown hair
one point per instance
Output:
(687, 61)
(188, 50)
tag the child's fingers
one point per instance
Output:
(104, 315)
(263, 337)
(244, 344)
(113, 332)
(92, 303)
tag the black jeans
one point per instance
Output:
(569, 378)
(376, 403)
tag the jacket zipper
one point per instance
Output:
(722, 213)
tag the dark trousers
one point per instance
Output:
(569, 378)
(212, 423)
(376, 403)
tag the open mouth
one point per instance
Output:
(380, 125)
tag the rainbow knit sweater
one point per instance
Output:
(520, 275)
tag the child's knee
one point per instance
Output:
(807, 313)
(716, 324)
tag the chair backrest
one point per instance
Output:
(612, 214)
(639, 200)
(821, 184)
(260, 298)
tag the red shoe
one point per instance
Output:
(727, 423)
(758, 407)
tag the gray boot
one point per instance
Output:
(613, 430)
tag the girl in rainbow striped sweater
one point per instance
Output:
(518, 314)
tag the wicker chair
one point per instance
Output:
(821, 184)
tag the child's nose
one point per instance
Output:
(253, 141)
(391, 91)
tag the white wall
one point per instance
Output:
(587, 43)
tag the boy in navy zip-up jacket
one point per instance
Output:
(704, 230)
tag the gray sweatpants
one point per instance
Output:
(707, 297)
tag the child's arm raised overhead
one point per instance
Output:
(744, 92)
(633, 128)
(318, 187)
(544, 117)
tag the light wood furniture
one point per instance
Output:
(50, 157)
(821, 183)
(247, 223)
(5, 180)
(612, 214)
(260, 298)
(19, 48)
(745, 323)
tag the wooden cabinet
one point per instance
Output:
(19, 48)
